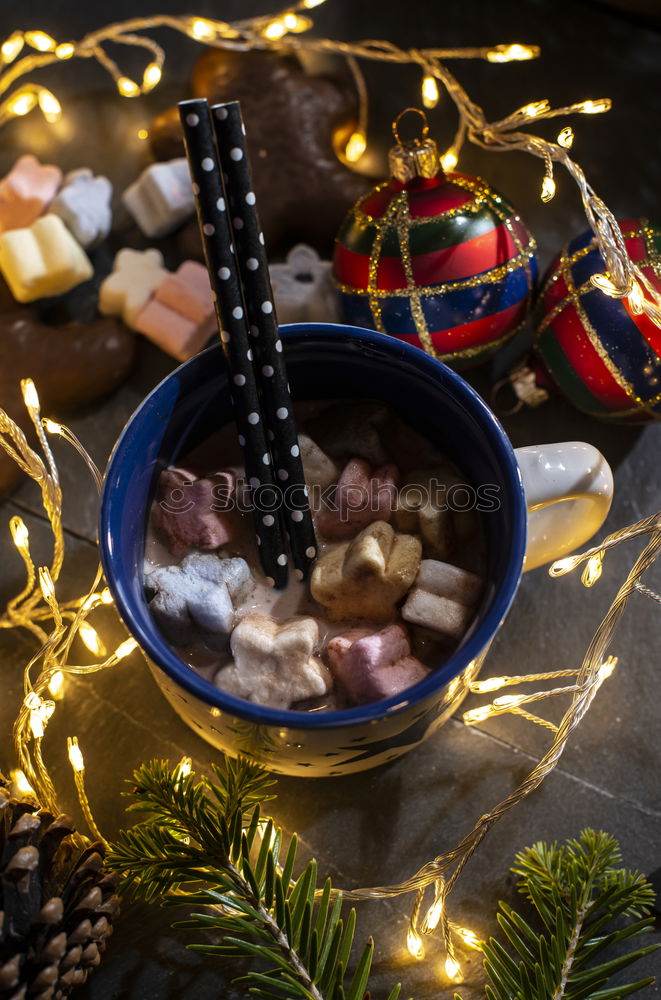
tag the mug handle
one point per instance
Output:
(569, 489)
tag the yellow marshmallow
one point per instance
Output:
(43, 259)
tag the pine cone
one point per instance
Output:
(56, 903)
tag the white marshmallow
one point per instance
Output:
(83, 204)
(161, 198)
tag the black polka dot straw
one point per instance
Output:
(271, 371)
(213, 219)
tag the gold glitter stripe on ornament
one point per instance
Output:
(470, 208)
(373, 271)
(402, 220)
(578, 255)
(484, 278)
(488, 345)
(653, 258)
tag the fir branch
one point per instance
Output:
(204, 843)
(583, 899)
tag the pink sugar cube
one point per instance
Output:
(179, 318)
(26, 192)
(371, 666)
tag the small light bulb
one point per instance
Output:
(414, 943)
(562, 566)
(23, 102)
(434, 914)
(274, 30)
(36, 725)
(91, 638)
(309, 4)
(21, 782)
(127, 87)
(76, 758)
(566, 137)
(30, 395)
(604, 284)
(477, 715)
(50, 106)
(535, 109)
(607, 668)
(143, 133)
(452, 969)
(40, 40)
(65, 50)
(430, 93)
(106, 596)
(595, 107)
(151, 77)
(51, 426)
(289, 21)
(355, 147)
(509, 53)
(56, 685)
(202, 29)
(125, 649)
(46, 584)
(636, 299)
(548, 188)
(449, 160)
(469, 937)
(593, 569)
(11, 47)
(490, 684)
(508, 700)
(19, 533)
(184, 767)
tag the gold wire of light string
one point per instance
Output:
(287, 32)
(444, 871)
(55, 624)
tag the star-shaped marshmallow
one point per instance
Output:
(135, 276)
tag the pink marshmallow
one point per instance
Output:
(363, 495)
(26, 192)
(371, 666)
(179, 318)
(190, 514)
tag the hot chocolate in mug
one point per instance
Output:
(551, 499)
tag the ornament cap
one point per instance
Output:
(415, 157)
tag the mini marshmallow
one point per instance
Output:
(274, 664)
(371, 666)
(443, 598)
(26, 192)
(135, 276)
(201, 593)
(189, 512)
(83, 204)
(363, 495)
(366, 577)
(303, 288)
(161, 198)
(351, 429)
(43, 259)
(423, 506)
(318, 469)
(179, 318)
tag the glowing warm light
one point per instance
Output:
(595, 107)
(604, 284)
(414, 943)
(127, 87)
(592, 571)
(125, 649)
(19, 533)
(430, 93)
(452, 969)
(562, 566)
(30, 395)
(76, 758)
(202, 29)
(309, 4)
(548, 188)
(274, 30)
(11, 47)
(509, 53)
(56, 685)
(36, 724)
(46, 584)
(296, 23)
(434, 914)
(468, 937)
(535, 108)
(21, 782)
(91, 638)
(477, 715)
(566, 137)
(491, 684)
(50, 106)
(184, 767)
(151, 77)
(607, 668)
(636, 299)
(508, 700)
(449, 160)
(355, 147)
(21, 103)
(51, 426)
(143, 133)
(65, 50)
(106, 596)
(40, 40)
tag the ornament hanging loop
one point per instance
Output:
(406, 111)
(415, 157)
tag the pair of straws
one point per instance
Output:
(238, 270)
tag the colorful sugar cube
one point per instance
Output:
(42, 259)
(180, 318)
(274, 664)
(135, 277)
(369, 666)
(83, 204)
(363, 495)
(26, 192)
(161, 198)
(192, 513)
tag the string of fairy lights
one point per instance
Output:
(57, 624)
(24, 52)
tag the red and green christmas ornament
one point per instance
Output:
(439, 260)
(603, 356)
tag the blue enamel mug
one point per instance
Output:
(551, 498)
